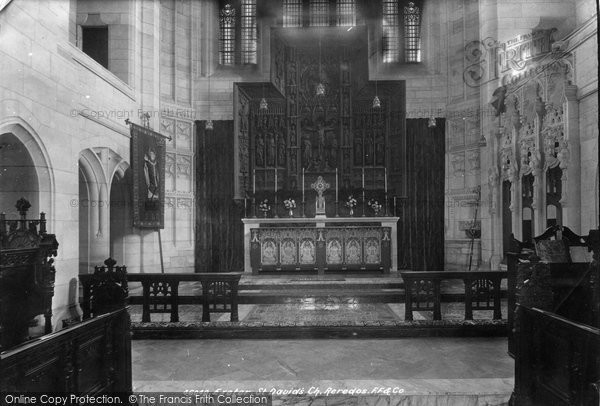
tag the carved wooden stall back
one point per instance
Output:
(105, 290)
(557, 277)
(26, 275)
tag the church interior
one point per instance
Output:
(309, 202)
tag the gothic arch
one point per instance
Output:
(40, 160)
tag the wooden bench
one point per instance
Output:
(481, 290)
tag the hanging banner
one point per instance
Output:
(148, 165)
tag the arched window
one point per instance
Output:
(227, 39)
(412, 33)
(248, 28)
(391, 31)
(401, 26)
(319, 13)
(292, 13)
(346, 14)
(238, 40)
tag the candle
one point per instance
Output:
(385, 179)
(275, 180)
(394, 205)
(302, 184)
(254, 182)
(336, 184)
(363, 178)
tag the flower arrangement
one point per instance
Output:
(264, 206)
(351, 202)
(289, 203)
(375, 205)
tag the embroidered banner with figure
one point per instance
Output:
(148, 166)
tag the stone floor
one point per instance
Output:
(421, 371)
(323, 311)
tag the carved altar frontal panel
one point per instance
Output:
(308, 252)
(269, 252)
(349, 247)
(288, 252)
(334, 251)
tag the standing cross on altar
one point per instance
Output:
(320, 186)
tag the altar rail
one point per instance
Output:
(423, 292)
(557, 361)
(91, 357)
(160, 293)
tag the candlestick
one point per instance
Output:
(254, 181)
(276, 181)
(394, 205)
(385, 178)
(363, 178)
(336, 184)
(302, 184)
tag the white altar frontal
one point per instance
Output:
(320, 244)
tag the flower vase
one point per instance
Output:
(265, 213)
(351, 212)
(291, 212)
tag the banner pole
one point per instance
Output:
(162, 265)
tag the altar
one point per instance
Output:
(320, 245)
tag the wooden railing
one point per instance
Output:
(160, 293)
(481, 291)
(557, 361)
(91, 357)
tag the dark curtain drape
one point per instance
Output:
(421, 225)
(219, 229)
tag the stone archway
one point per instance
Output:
(26, 171)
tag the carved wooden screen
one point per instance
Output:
(302, 132)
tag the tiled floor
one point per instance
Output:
(454, 368)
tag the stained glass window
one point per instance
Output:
(292, 13)
(412, 33)
(319, 13)
(248, 31)
(346, 15)
(227, 38)
(391, 31)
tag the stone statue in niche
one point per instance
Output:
(243, 113)
(259, 156)
(306, 151)
(358, 155)
(293, 160)
(563, 155)
(293, 134)
(333, 152)
(270, 149)
(280, 149)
